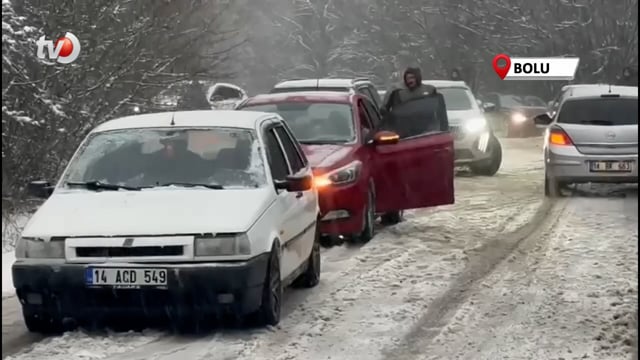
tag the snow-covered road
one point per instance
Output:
(432, 287)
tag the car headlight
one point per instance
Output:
(344, 175)
(222, 245)
(518, 118)
(35, 248)
(475, 124)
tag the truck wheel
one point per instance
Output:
(270, 306)
(311, 276)
(369, 219)
(391, 218)
(490, 166)
(43, 324)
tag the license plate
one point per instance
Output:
(125, 277)
(611, 166)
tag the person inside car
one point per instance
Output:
(176, 163)
(413, 89)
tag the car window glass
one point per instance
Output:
(420, 116)
(277, 161)
(290, 149)
(374, 116)
(456, 98)
(600, 111)
(314, 122)
(534, 101)
(151, 157)
(365, 119)
(376, 96)
(364, 90)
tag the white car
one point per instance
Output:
(475, 144)
(195, 213)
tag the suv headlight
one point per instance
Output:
(475, 124)
(344, 175)
(222, 245)
(518, 118)
(36, 248)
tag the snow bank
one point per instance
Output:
(8, 259)
(11, 228)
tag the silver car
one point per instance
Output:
(475, 144)
(593, 137)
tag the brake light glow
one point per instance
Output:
(559, 137)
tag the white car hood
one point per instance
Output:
(148, 212)
(457, 117)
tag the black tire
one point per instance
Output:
(311, 276)
(326, 241)
(391, 218)
(43, 324)
(490, 166)
(369, 231)
(552, 187)
(271, 304)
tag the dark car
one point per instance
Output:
(517, 113)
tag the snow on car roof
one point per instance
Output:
(346, 83)
(204, 118)
(445, 83)
(309, 96)
(602, 89)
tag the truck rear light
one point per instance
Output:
(559, 137)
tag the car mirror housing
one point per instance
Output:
(542, 120)
(489, 107)
(296, 183)
(386, 138)
(40, 189)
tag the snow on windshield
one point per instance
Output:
(160, 156)
(314, 122)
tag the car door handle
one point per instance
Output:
(299, 195)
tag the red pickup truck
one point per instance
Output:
(363, 168)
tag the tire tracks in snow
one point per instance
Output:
(482, 261)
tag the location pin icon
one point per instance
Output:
(502, 71)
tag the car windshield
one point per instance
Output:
(511, 101)
(314, 122)
(456, 98)
(152, 157)
(600, 111)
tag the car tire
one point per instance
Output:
(271, 304)
(552, 188)
(311, 276)
(369, 230)
(43, 324)
(391, 218)
(490, 166)
(326, 241)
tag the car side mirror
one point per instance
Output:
(542, 120)
(296, 183)
(489, 107)
(385, 138)
(40, 189)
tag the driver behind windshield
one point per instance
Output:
(176, 163)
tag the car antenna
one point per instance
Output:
(173, 122)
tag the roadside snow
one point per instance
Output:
(11, 228)
(8, 259)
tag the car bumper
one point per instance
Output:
(471, 147)
(568, 165)
(342, 209)
(198, 288)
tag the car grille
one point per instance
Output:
(457, 132)
(138, 251)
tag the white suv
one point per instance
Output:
(475, 144)
(190, 213)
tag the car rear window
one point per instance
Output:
(600, 111)
(314, 123)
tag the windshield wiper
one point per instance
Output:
(187, 184)
(97, 185)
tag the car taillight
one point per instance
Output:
(559, 137)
